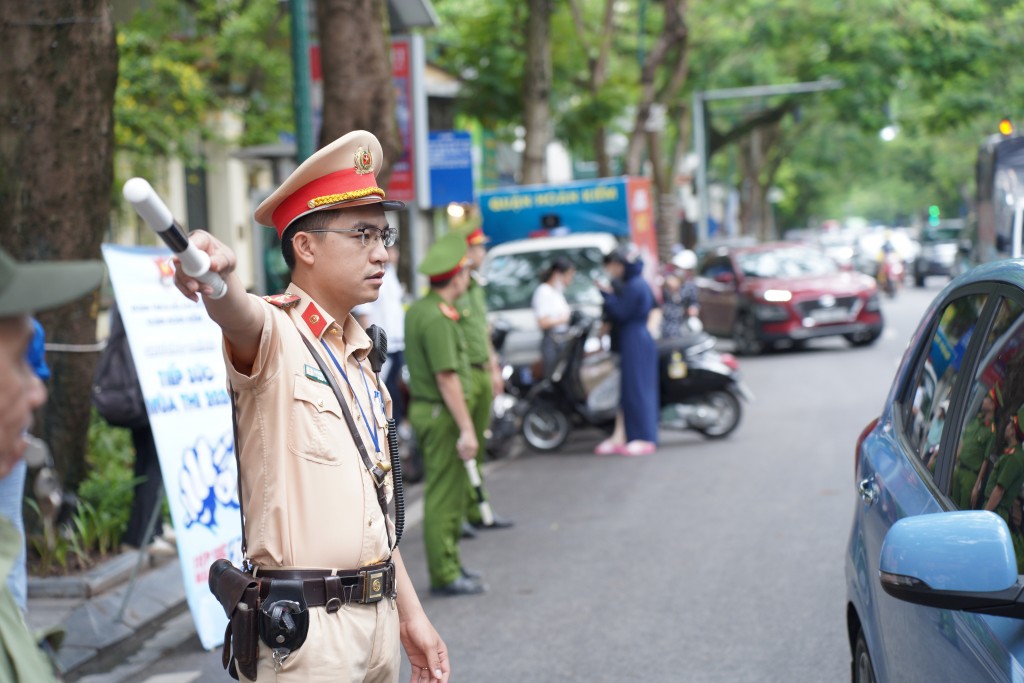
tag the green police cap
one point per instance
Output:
(28, 287)
(444, 258)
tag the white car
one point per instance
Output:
(512, 271)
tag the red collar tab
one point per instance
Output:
(285, 300)
(314, 319)
(476, 237)
(341, 187)
(449, 311)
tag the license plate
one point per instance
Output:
(830, 315)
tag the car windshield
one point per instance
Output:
(787, 262)
(511, 278)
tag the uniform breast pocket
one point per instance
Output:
(315, 417)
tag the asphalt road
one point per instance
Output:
(708, 561)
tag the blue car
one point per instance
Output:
(936, 552)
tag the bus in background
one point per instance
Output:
(999, 182)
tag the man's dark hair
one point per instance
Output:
(311, 221)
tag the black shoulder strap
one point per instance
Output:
(378, 474)
(238, 470)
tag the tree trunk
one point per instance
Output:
(355, 57)
(537, 92)
(57, 85)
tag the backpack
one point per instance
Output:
(116, 391)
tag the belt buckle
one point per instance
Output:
(373, 585)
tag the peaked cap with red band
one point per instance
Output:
(338, 176)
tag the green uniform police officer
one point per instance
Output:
(439, 381)
(975, 447)
(484, 372)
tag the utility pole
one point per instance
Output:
(700, 142)
(301, 79)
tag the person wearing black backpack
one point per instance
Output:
(117, 395)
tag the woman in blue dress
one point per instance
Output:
(627, 303)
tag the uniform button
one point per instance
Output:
(320, 403)
(369, 522)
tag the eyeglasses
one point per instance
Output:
(369, 236)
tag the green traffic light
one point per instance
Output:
(934, 211)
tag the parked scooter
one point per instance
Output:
(699, 388)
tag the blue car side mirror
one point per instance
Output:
(953, 560)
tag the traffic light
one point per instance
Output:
(1005, 127)
(933, 214)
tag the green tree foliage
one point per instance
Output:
(181, 62)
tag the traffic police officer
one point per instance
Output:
(313, 514)
(439, 382)
(485, 379)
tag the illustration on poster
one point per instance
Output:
(208, 478)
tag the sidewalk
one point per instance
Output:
(88, 606)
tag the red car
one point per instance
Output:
(785, 292)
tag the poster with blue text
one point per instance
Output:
(177, 353)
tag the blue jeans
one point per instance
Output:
(12, 494)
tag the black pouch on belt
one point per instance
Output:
(238, 594)
(284, 618)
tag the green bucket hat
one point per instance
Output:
(29, 287)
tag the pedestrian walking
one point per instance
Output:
(311, 438)
(485, 377)
(440, 413)
(679, 304)
(25, 288)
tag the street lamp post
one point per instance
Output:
(700, 144)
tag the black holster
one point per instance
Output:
(238, 594)
(284, 617)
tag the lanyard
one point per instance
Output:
(370, 427)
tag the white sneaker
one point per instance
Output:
(161, 548)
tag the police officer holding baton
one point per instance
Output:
(312, 441)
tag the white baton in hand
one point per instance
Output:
(141, 195)
(486, 516)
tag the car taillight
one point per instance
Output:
(860, 442)
(730, 360)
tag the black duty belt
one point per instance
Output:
(322, 588)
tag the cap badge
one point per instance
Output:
(364, 161)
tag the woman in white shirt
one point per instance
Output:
(552, 310)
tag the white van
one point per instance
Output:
(513, 269)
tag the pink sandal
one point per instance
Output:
(609, 447)
(638, 448)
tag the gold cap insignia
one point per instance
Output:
(363, 161)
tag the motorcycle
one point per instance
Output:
(699, 389)
(891, 273)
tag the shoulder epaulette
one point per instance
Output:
(449, 312)
(282, 300)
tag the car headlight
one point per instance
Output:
(777, 295)
(770, 313)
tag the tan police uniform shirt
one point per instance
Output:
(308, 498)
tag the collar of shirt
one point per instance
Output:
(346, 335)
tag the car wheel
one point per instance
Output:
(862, 670)
(862, 338)
(545, 427)
(726, 412)
(744, 335)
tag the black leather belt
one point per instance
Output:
(321, 588)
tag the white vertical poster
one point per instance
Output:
(177, 354)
